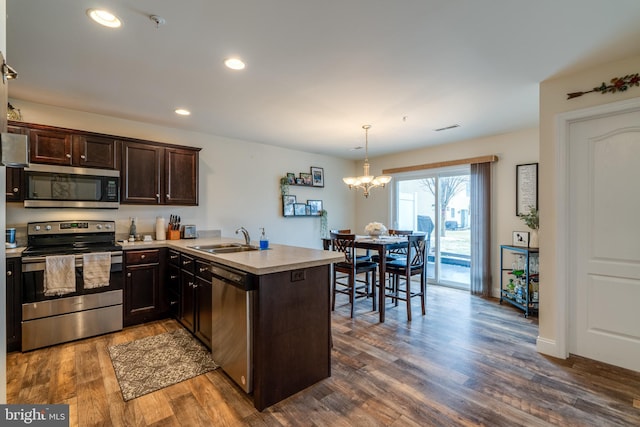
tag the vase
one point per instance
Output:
(533, 239)
(376, 233)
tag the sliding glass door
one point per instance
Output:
(437, 202)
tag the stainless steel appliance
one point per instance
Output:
(69, 187)
(15, 150)
(233, 295)
(189, 232)
(48, 320)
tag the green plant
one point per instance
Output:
(284, 186)
(531, 218)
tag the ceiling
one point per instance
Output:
(316, 70)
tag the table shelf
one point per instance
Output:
(522, 286)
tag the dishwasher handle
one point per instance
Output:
(237, 278)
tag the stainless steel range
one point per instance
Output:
(71, 282)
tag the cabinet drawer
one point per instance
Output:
(142, 257)
(174, 257)
(203, 270)
(187, 263)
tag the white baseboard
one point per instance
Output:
(550, 348)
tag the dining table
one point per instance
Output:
(380, 244)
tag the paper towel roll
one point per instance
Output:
(160, 229)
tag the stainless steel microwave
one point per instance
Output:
(68, 187)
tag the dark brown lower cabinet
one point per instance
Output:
(144, 296)
(14, 304)
(196, 298)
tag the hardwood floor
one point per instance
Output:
(469, 361)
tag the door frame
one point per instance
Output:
(560, 348)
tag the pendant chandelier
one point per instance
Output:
(366, 181)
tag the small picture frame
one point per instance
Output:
(299, 181)
(299, 209)
(521, 238)
(315, 206)
(306, 178)
(288, 202)
(317, 176)
(291, 177)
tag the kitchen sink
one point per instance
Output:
(225, 248)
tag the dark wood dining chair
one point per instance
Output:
(361, 256)
(401, 271)
(349, 283)
(396, 253)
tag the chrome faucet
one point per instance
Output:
(247, 239)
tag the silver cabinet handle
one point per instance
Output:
(143, 256)
(16, 189)
(128, 274)
(173, 277)
(202, 269)
(83, 157)
(9, 273)
(168, 196)
(68, 156)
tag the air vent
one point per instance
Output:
(446, 128)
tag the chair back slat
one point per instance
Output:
(345, 243)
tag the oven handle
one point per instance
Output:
(38, 263)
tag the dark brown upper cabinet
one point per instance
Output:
(60, 147)
(159, 175)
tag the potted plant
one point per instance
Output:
(532, 220)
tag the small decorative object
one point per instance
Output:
(315, 206)
(284, 185)
(287, 204)
(299, 181)
(299, 209)
(617, 84)
(317, 176)
(291, 177)
(532, 220)
(375, 229)
(306, 178)
(521, 238)
(13, 113)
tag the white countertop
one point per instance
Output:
(275, 259)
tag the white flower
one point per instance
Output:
(375, 227)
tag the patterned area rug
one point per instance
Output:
(152, 363)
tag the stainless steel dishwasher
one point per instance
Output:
(232, 312)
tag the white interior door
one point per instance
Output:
(604, 212)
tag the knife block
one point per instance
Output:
(173, 234)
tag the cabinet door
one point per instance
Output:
(173, 289)
(140, 172)
(142, 298)
(204, 315)
(15, 185)
(14, 312)
(94, 152)
(187, 300)
(181, 177)
(50, 146)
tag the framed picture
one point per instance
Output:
(526, 188)
(306, 178)
(287, 205)
(315, 206)
(299, 209)
(317, 176)
(299, 181)
(291, 177)
(521, 238)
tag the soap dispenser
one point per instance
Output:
(264, 242)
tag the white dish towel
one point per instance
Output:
(96, 268)
(59, 275)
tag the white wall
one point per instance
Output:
(512, 149)
(553, 101)
(239, 182)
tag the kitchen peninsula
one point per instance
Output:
(289, 338)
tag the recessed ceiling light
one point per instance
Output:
(183, 112)
(234, 64)
(104, 17)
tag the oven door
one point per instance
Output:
(33, 279)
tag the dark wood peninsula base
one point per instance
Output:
(292, 340)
